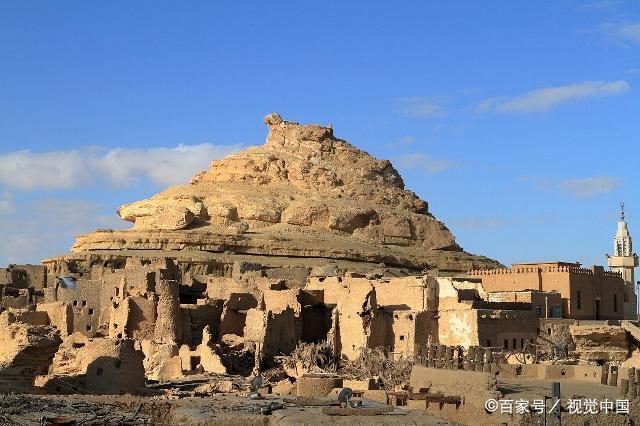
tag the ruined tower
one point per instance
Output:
(625, 261)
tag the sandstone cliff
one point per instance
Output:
(304, 193)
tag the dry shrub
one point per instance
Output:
(375, 362)
(311, 358)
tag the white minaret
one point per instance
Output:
(625, 261)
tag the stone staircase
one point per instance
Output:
(632, 328)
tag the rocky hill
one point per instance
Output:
(303, 194)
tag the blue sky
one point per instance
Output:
(519, 122)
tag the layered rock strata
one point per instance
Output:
(303, 194)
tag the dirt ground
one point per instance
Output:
(234, 409)
(219, 409)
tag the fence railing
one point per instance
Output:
(473, 358)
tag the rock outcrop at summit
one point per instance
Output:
(302, 177)
(303, 193)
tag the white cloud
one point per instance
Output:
(27, 170)
(417, 106)
(590, 187)
(163, 166)
(424, 162)
(48, 170)
(625, 32)
(580, 188)
(548, 97)
(7, 204)
(44, 228)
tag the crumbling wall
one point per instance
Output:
(280, 334)
(356, 311)
(142, 319)
(509, 329)
(206, 356)
(207, 313)
(16, 298)
(222, 288)
(24, 276)
(545, 304)
(134, 317)
(280, 300)
(168, 328)
(28, 316)
(554, 339)
(458, 328)
(26, 351)
(315, 322)
(233, 322)
(271, 333)
(60, 316)
(161, 361)
(10, 276)
(86, 308)
(404, 330)
(118, 319)
(406, 293)
(97, 366)
(475, 386)
(457, 322)
(600, 342)
(403, 316)
(464, 320)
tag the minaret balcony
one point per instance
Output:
(622, 261)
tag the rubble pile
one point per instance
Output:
(35, 411)
(608, 343)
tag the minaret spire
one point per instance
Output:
(625, 261)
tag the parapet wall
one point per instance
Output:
(587, 373)
(439, 380)
(537, 269)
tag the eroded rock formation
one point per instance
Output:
(304, 193)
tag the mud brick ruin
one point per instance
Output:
(305, 242)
